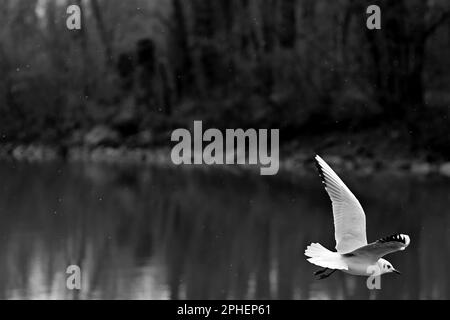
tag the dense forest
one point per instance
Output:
(139, 68)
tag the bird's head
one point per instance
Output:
(387, 267)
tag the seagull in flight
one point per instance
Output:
(354, 255)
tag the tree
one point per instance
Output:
(399, 52)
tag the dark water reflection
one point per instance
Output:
(165, 233)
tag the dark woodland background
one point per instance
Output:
(138, 69)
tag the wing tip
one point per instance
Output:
(318, 159)
(319, 164)
(399, 237)
(407, 239)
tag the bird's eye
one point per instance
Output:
(389, 267)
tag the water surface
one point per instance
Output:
(164, 233)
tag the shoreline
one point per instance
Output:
(296, 162)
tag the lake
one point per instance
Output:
(166, 233)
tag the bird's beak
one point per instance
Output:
(396, 271)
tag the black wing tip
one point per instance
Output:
(402, 238)
(320, 170)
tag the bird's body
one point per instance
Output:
(360, 266)
(348, 263)
(353, 256)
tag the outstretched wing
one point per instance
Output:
(382, 247)
(349, 217)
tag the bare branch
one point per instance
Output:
(104, 33)
(432, 28)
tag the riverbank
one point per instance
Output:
(291, 161)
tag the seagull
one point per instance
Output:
(354, 256)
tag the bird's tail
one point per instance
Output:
(321, 256)
(316, 250)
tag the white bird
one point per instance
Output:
(354, 255)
